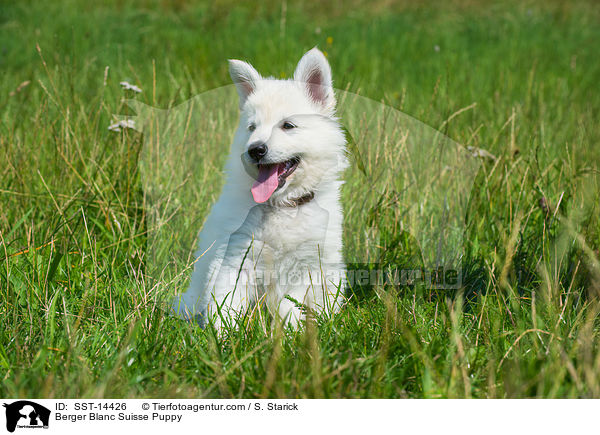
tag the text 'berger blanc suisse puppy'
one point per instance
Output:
(275, 234)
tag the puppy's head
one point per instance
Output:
(288, 137)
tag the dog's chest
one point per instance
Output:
(297, 232)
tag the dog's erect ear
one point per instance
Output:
(313, 70)
(245, 78)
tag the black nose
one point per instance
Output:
(257, 150)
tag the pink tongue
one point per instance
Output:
(266, 183)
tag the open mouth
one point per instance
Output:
(271, 177)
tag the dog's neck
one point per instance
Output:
(297, 202)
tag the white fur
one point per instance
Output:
(246, 242)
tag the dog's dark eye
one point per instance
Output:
(252, 127)
(287, 125)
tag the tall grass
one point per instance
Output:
(80, 315)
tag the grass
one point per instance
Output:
(81, 314)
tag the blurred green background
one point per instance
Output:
(78, 316)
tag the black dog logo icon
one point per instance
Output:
(27, 413)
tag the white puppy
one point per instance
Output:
(275, 234)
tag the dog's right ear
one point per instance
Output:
(245, 78)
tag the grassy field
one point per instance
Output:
(82, 317)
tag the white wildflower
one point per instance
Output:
(478, 152)
(129, 87)
(123, 124)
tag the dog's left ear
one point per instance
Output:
(314, 72)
